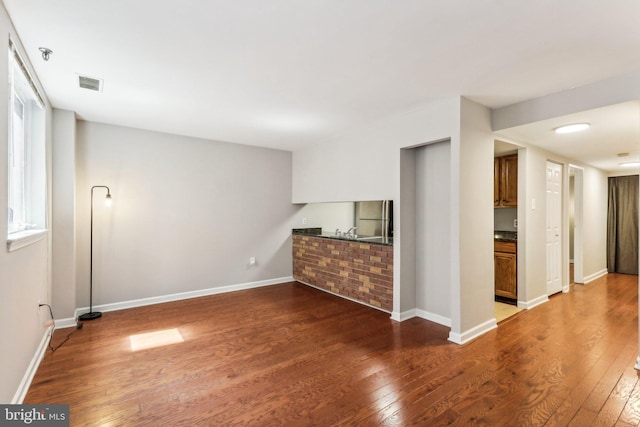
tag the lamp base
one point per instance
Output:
(90, 316)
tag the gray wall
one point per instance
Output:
(63, 226)
(187, 213)
(595, 200)
(433, 225)
(24, 273)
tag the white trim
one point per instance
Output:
(578, 221)
(345, 297)
(596, 275)
(637, 367)
(473, 333)
(183, 295)
(402, 316)
(432, 317)
(20, 239)
(528, 305)
(23, 388)
(69, 322)
(566, 289)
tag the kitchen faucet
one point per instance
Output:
(350, 232)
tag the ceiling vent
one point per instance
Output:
(90, 83)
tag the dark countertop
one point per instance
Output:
(369, 240)
(505, 236)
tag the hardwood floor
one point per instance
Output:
(290, 355)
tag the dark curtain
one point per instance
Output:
(622, 225)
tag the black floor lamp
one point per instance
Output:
(93, 314)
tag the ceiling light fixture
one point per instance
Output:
(575, 127)
(630, 164)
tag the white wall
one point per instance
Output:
(187, 213)
(363, 163)
(24, 273)
(532, 259)
(327, 216)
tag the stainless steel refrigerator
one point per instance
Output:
(374, 218)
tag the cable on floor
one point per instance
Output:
(53, 320)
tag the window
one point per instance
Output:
(26, 149)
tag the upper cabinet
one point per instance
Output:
(505, 181)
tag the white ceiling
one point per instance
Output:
(614, 130)
(285, 73)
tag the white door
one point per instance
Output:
(554, 216)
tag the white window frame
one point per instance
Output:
(26, 200)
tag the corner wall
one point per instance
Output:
(63, 224)
(187, 214)
(433, 224)
(472, 293)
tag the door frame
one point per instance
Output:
(578, 211)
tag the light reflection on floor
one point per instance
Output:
(155, 339)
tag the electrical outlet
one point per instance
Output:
(304, 221)
(252, 261)
(515, 223)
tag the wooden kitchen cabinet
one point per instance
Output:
(505, 268)
(505, 181)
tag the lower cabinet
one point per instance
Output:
(505, 267)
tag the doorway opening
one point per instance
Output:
(505, 226)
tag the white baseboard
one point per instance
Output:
(475, 332)
(432, 317)
(401, 316)
(182, 295)
(345, 297)
(527, 305)
(69, 322)
(23, 388)
(596, 275)
(637, 367)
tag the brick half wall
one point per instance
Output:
(359, 271)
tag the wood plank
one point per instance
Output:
(292, 355)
